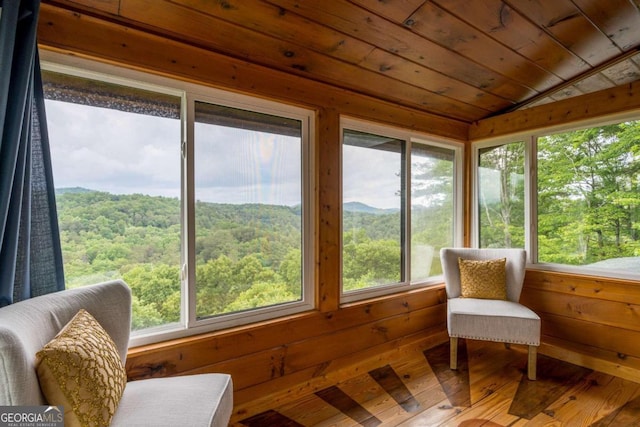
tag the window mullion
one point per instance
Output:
(531, 199)
(189, 287)
(405, 225)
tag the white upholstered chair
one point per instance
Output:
(190, 400)
(505, 321)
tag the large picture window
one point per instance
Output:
(373, 210)
(399, 196)
(116, 161)
(589, 197)
(434, 192)
(199, 199)
(248, 191)
(583, 198)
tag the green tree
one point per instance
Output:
(262, 294)
(291, 272)
(377, 260)
(588, 197)
(153, 286)
(216, 286)
(501, 195)
(144, 315)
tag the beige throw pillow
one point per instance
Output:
(483, 279)
(81, 370)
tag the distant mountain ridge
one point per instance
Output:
(73, 190)
(352, 207)
(358, 207)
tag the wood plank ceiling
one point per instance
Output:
(462, 59)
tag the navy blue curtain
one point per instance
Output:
(30, 254)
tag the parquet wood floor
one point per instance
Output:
(490, 389)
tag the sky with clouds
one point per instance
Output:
(125, 153)
(113, 151)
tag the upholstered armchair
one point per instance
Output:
(474, 311)
(29, 326)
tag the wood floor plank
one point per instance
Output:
(479, 423)
(554, 378)
(628, 415)
(490, 407)
(455, 383)
(436, 415)
(270, 418)
(339, 399)
(311, 411)
(499, 367)
(368, 393)
(596, 397)
(413, 370)
(565, 395)
(393, 385)
(415, 373)
(423, 384)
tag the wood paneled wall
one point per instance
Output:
(299, 349)
(286, 354)
(588, 321)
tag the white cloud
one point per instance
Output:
(371, 177)
(125, 153)
(113, 151)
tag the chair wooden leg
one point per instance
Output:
(453, 353)
(531, 371)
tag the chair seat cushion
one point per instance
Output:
(190, 400)
(492, 320)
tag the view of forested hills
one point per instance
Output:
(247, 255)
(250, 255)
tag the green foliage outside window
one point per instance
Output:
(136, 238)
(501, 196)
(589, 195)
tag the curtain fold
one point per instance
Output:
(30, 254)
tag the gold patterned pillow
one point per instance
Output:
(483, 279)
(81, 370)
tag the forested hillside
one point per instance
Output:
(137, 237)
(246, 255)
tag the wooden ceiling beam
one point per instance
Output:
(573, 81)
(588, 107)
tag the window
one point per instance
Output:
(589, 198)
(500, 190)
(373, 210)
(116, 161)
(199, 199)
(249, 210)
(433, 207)
(582, 206)
(399, 196)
